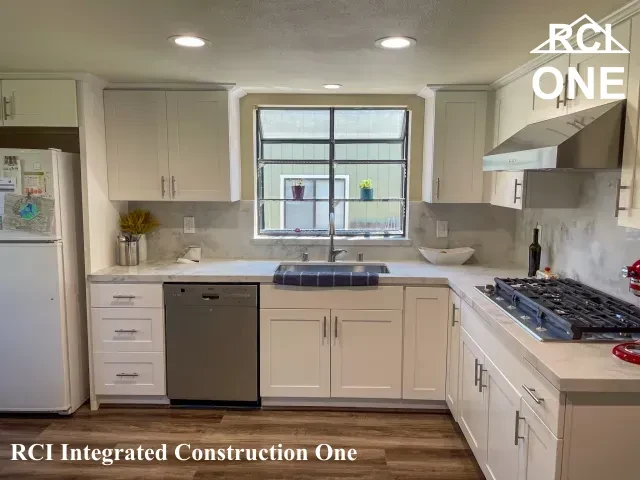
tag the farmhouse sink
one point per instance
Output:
(337, 267)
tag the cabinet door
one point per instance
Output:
(199, 145)
(514, 104)
(459, 144)
(502, 402)
(425, 343)
(39, 103)
(554, 107)
(629, 193)
(540, 451)
(366, 353)
(137, 155)
(472, 415)
(453, 354)
(294, 353)
(584, 61)
(508, 189)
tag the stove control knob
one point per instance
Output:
(489, 288)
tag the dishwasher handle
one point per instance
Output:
(210, 296)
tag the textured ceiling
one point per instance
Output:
(284, 45)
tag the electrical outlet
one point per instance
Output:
(189, 225)
(442, 229)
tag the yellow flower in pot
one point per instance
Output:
(366, 190)
(135, 225)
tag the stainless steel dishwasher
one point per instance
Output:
(212, 343)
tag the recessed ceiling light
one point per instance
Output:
(395, 42)
(188, 41)
(332, 86)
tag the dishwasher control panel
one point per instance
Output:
(202, 294)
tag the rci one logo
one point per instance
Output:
(559, 35)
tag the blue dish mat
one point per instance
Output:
(327, 279)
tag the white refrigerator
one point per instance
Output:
(43, 344)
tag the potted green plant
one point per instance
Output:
(297, 189)
(135, 225)
(366, 190)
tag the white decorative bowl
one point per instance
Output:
(447, 256)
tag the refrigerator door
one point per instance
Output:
(33, 348)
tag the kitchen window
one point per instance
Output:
(315, 161)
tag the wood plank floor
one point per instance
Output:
(390, 446)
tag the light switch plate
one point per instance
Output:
(189, 225)
(442, 229)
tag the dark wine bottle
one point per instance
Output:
(535, 251)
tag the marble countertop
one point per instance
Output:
(570, 367)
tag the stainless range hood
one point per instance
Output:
(588, 139)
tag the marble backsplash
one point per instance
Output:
(585, 243)
(225, 230)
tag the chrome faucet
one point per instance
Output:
(333, 252)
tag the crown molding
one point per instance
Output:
(170, 86)
(237, 92)
(623, 13)
(78, 76)
(430, 89)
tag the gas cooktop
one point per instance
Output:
(565, 310)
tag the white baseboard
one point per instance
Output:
(354, 403)
(132, 400)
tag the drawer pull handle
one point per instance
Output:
(517, 434)
(122, 330)
(127, 375)
(532, 394)
(121, 297)
(480, 385)
(453, 315)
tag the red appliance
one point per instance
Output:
(629, 352)
(633, 274)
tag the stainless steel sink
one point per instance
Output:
(316, 267)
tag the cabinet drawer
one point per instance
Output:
(358, 298)
(551, 402)
(126, 295)
(127, 329)
(129, 373)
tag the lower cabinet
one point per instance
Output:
(311, 353)
(502, 402)
(366, 353)
(426, 315)
(471, 408)
(295, 353)
(540, 450)
(453, 354)
(509, 440)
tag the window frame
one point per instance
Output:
(331, 162)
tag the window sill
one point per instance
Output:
(338, 241)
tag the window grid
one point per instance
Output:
(312, 151)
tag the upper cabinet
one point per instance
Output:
(173, 145)
(581, 62)
(455, 126)
(38, 103)
(628, 201)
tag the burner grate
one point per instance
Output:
(570, 306)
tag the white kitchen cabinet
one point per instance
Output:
(295, 353)
(536, 189)
(514, 104)
(366, 353)
(455, 126)
(38, 103)
(472, 416)
(543, 108)
(628, 205)
(425, 343)
(198, 127)
(583, 61)
(174, 145)
(502, 402)
(453, 353)
(540, 450)
(137, 154)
